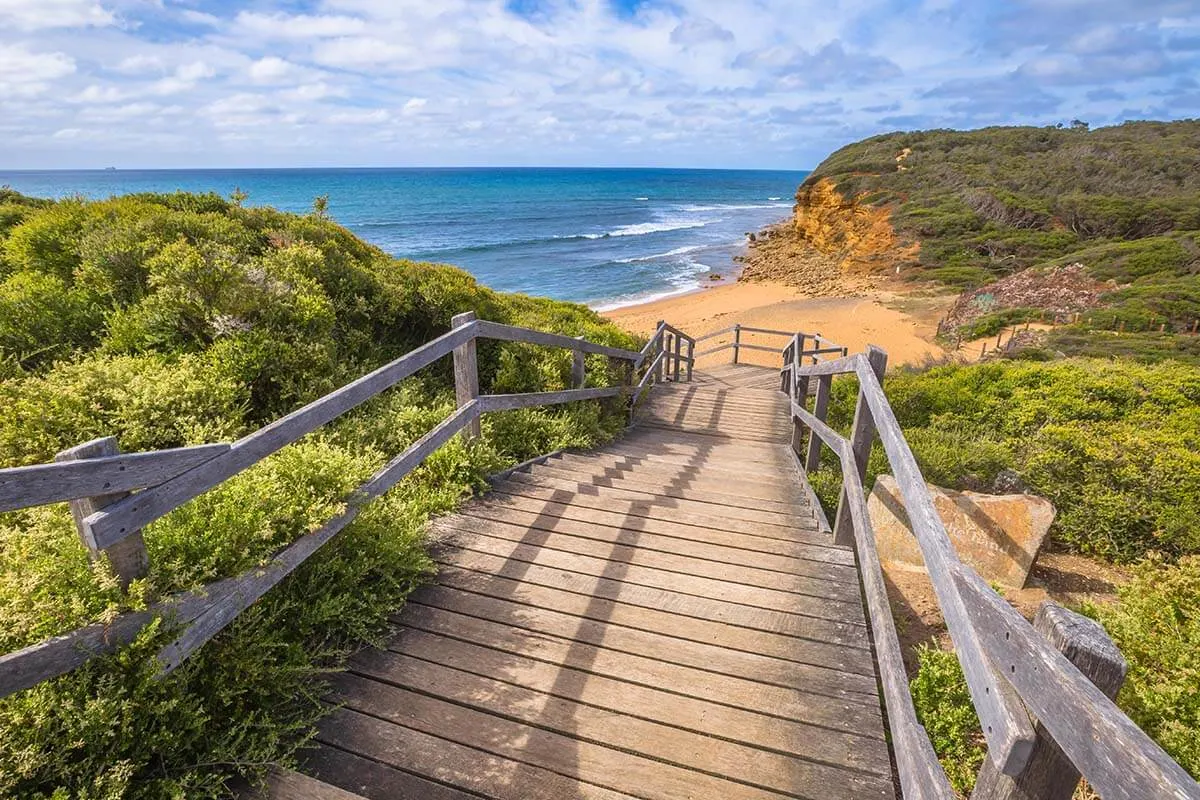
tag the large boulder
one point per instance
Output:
(998, 535)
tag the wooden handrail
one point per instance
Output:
(1115, 756)
(174, 477)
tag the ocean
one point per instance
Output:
(605, 237)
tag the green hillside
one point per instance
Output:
(1124, 201)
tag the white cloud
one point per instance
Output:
(271, 69)
(194, 71)
(32, 15)
(139, 64)
(24, 73)
(302, 26)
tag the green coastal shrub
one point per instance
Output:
(1156, 623)
(167, 320)
(943, 705)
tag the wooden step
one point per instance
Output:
(286, 784)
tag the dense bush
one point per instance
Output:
(1156, 623)
(1114, 445)
(177, 319)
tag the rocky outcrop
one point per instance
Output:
(1061, 292)
(831, 243)
(998, 535)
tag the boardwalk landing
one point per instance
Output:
(660, 618)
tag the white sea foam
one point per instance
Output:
(772, 199)
(678, 251)
(733, 207)
(643, 228)
(643, 199)
(638, 299)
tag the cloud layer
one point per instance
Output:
(738, 83)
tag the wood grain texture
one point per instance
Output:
(510, 333)
(658, 619)
(22, 487)
(128, 557)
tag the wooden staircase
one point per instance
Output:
(660, 618)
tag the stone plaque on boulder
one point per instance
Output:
(998, 535)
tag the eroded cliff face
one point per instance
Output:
(831, 243)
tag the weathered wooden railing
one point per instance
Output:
(737, 345)
(97, 479)
(667, 360)
(1044, 720)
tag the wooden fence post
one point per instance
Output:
(662, 341)
(862, 437)
(678, 357)
(1049, 775)
(821, 410)
(466, 373)
(799, 392)
(737, 341)
(691, 354)
(128, 557)
(578, 368)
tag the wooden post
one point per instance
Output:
(691, 354)
(821, 410)
(678, 356)
(578, 369)
(862, 436)
(800, 392)
(128, 557)
(737, 341)
(466, 373)
(662, 335)
(1049, 775)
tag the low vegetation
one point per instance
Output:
(1123, 201)
(168, 320)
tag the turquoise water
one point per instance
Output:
(599, 236)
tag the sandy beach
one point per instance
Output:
(903, 324)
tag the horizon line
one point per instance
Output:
(377, 167)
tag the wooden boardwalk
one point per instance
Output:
(660, 618)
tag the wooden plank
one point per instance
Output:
(920, 773)
(812, 460)
(849, 714)
(862, 437)
(510, 402)
(798, 545)
(800, 559)
(768, 331)
(836, 366)
(822, 581)
(115, 522)
(1050, 775)
(1119, 760)
(769, 463)
(754, 642)
(257, 582)
(631, 733)
(760, 347)
(678, 484)
(681, 500)
(664, 509)
(574, 758)
(1006, 724)
(839, 632)
(718, 434)
(777, 486)
(509, 333)
(22, 487)
(466, 373)
(820, 601)
(288, 784)
(707, 656)
(472, 769)
(128, 557)
(373, 778)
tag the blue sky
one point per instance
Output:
(704, 83)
